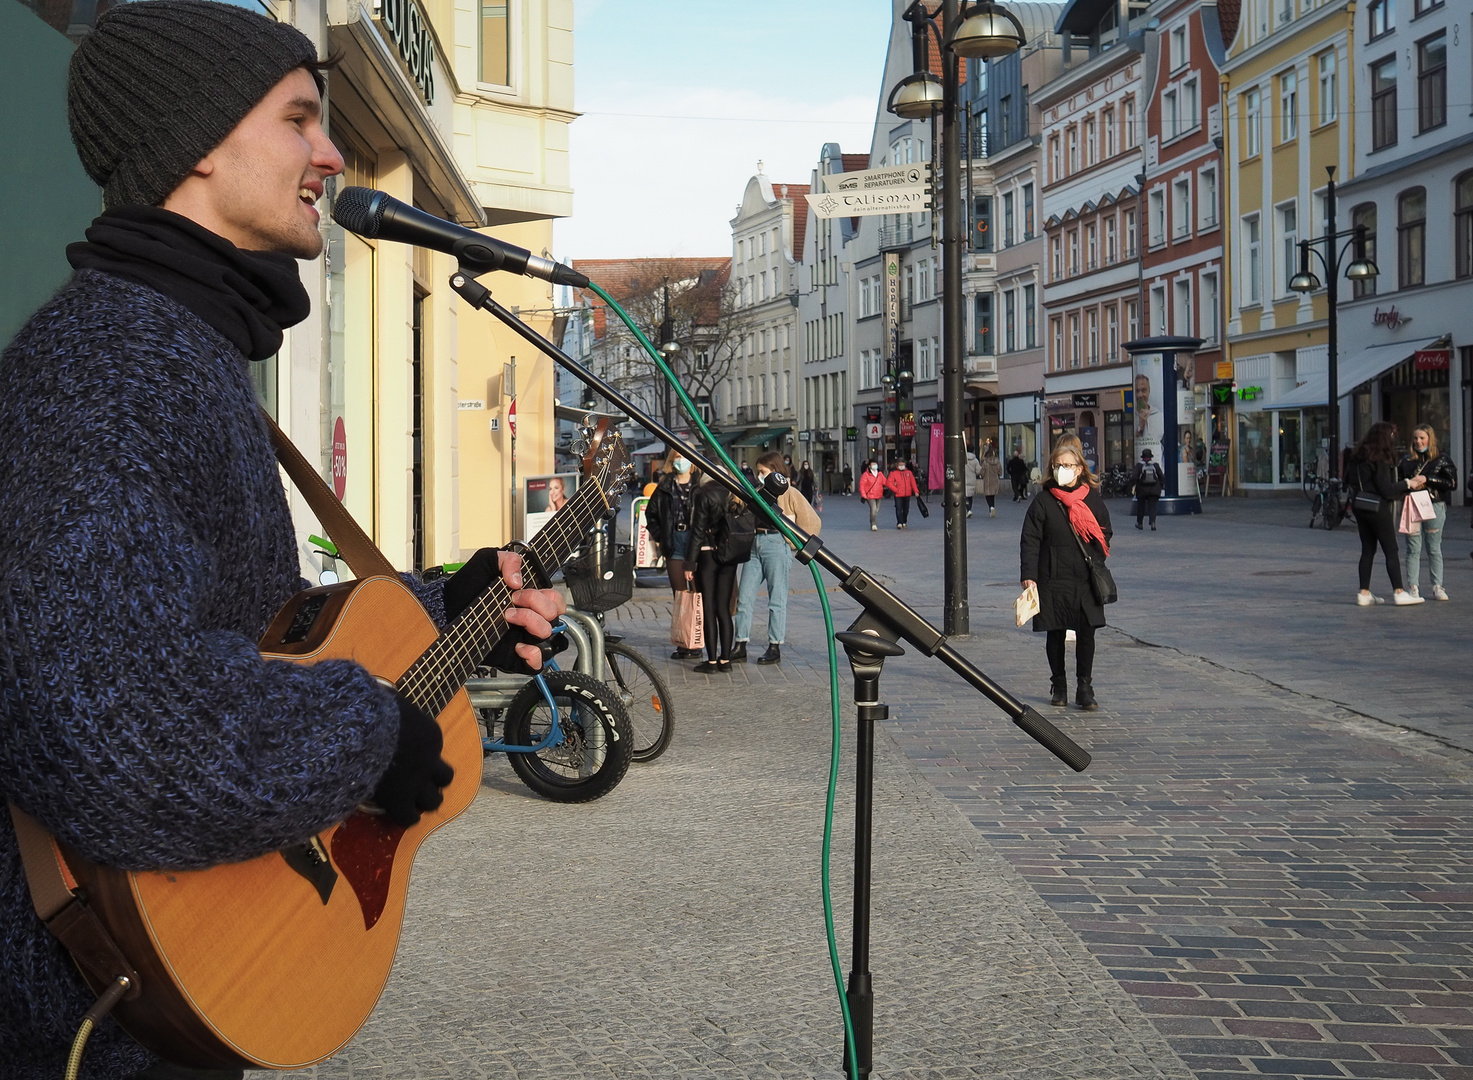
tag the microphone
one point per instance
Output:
(379, 216)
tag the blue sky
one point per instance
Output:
(680, 102)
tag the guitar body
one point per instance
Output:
(277, 962)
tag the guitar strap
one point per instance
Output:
(53, 889)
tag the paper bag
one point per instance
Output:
(687, 621)
(1026, 606)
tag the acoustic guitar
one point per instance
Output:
(276, 962)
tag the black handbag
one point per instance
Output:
(1101, 581)
(922, 507)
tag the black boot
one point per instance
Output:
(739, 652)
(773, 655)
(1084, 696)
(1058, 692)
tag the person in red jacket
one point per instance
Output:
(872, 490)
(902, 484)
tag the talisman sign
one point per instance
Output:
(897, 190)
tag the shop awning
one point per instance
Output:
(576, 415)
(1354, 368)
(766, 433)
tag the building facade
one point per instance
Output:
(1093, 128)
(1287, 102)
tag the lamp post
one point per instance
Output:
(1361, 268)
(669, 347)
(983, 31)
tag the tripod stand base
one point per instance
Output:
(861, 999)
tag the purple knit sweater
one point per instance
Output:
(145, 544)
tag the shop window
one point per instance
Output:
(1256, 448)
(495, 44)
(1463, 224)
(1364, 216)
(1289, 448)
(1411, 238)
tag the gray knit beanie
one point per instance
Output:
(160, 83)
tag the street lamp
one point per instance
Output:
(669, 347)
(1361, 268)
(982, 30)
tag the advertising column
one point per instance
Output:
(1162, 416)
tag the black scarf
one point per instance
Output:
(249, 296)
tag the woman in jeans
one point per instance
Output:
(1442, 479)
(1372, 474)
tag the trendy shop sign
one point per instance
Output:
(406, 26)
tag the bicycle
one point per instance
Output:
(1115, 484)
(1330, 503)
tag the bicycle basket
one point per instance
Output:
(601, 579)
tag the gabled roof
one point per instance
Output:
(800, 229)
(856, 162)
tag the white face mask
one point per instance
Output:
(681, 465)
(874, 468)
(1065, 475)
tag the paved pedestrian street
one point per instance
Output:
(1263, 872)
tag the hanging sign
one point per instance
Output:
(1433, 359)
(902, 189)
(892, 304)
(872, 431)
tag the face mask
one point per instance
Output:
(874, 469)
(681, 465)
(1065, 475)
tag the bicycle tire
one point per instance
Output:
(1332, 512)
(595, 751)
(1316, 510)
(645, 697)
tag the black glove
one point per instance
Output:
(466, 585)
(413, 782)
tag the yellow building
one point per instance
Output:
(1285, 91)
(395, 384)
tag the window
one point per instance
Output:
(1072, 135)
(1207, 197)
(1288, 215)
(1127, 117)
(1463, 225)
(1092, 334)
(1181, 309)
(741, 251)
(1181, 208)
(1057, 358)
(1010, 320)
(1073, 252)
(1005, 126)
(1110, 133)
(1007, 219)
(1030, 324)
(1207, 308)
(1056, 258)
(876, 285)
(1112, 248)
(1382, 19)
(1092, 246)
(923, 360)
(1286, 11)
(923, 280)
(983, 323)
(1189, 117)
(1074, 340)
(1130, 234)
(1170, 115)
(1329, 88)
(1091, 142)
(984, 223)
(864, 299)
(1132, 321)
(1411, 238)
(1432, 82)
(1424, 6)
(1178, 47)
(1252, 124)
(1112, 333)
(1288, 106)
(1055, 160)
(1158, 310)
(1157, 225)
(1383, 103)
(495, 44)
(1027, 211)
(1252, 261)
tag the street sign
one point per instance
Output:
(894, 176)
(900, 189)
(873, 431)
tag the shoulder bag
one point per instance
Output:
(1101, 581)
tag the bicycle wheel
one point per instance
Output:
(594, 752)
(1332, 512)
(645, 698)
(1316, 509)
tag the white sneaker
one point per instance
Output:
(1439, 593)
(1402, 598)
(1365, 599)
(1415, 590)
(874, 528)
(992, 512)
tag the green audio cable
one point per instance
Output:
(694, 416)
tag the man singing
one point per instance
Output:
(147, 540)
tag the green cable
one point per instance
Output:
(694, 415)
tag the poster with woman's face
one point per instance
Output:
(1148, 416)
(545, 496)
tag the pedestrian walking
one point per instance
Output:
(722, 533)
(848, 479)
(902, 484)
(872, 490)
(667, 516)
(991, 476)
(973, 475)
(1441, 475)
(789, 469)
(1372, 477)
(1146, 480)
(771, 561)
(1018, 474)
(1067, 513)
(807, 482)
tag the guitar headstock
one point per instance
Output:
(606, 462)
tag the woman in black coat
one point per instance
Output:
(1372, 476)
(667, 516)
(1068, 505)
(710, 508)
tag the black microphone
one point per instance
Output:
(379, 216)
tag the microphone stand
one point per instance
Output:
(886, 621)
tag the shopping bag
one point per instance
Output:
(1422, 505)
(687, 622)
(1026, 606)
(922, 507)
(1411, 523)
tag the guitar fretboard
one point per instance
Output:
(445, 666)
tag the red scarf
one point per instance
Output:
(1081, 517)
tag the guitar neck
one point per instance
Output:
(444, 667)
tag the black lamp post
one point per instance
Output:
(669, 347)
(981, 31)
(1361, 268)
